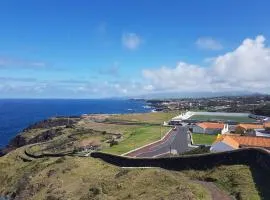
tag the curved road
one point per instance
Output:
(176, 143)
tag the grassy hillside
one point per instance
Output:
(129, 130)
(136, 129)
(240, 181)
(23, 177)
(88, 178)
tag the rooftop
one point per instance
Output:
(267, 125)
(250, 141)
(230, 141)
(251, 126)
(211, 125)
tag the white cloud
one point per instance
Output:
(183, 77)
(247, 68)
(131, 40)
(208, 43)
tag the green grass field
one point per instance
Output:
(199, 138)
(137, 137)
(136, 129)
(222, 118)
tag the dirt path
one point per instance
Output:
(216, 193)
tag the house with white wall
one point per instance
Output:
(229, 142)
(208, 128)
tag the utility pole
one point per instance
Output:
(160, 131)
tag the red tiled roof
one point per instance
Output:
(245, 140)
(230, 141)
(211, 125)
(251, 126)
(267, 125)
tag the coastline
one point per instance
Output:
(36, 110)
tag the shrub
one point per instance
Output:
(113, 142)
(95, 190)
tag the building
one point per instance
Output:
(246, 127)
(229, 142)
(224, 144)
(262, 130)
(228, 128)
(208, 128)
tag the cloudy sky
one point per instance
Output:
(124, 48)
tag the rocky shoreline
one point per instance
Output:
(48, 129)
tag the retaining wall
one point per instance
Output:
(253, 157)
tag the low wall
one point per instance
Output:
(247, 156)
(47, 154)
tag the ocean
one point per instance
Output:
(17, 114)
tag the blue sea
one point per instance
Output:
(15, 114)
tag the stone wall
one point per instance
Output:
(247, 156)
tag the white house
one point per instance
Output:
(229, 142)
(262, 132)
(208, 128)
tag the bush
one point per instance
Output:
(95, 191)
(113, 142)
(198, 150)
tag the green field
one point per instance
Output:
(136, 129)
(221, 118)
(137, 137)
(199, 138)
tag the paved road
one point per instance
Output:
(177, 142)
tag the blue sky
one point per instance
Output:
(95, 49)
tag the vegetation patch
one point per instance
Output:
(240, 181)
(88, 178)
(199, 138)
(137, 137)
(198, 150)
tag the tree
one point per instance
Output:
(239, 130)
